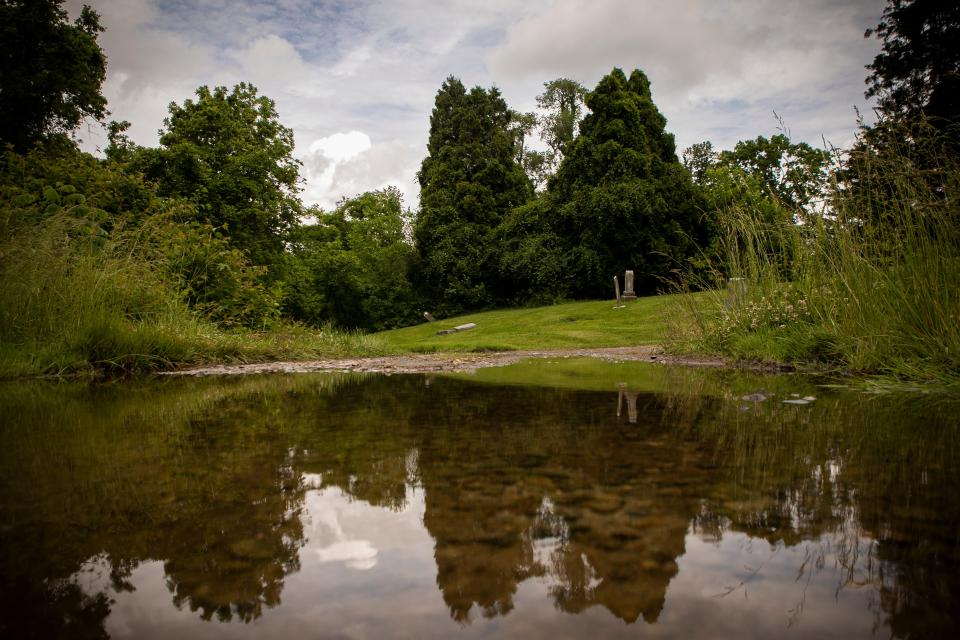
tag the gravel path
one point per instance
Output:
(440, 362)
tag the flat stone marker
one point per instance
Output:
(462, 327)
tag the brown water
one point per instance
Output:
(622, 500)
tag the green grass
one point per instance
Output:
(871, 289)
(76, 304)
(564, 326)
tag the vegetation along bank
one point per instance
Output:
(201, 250)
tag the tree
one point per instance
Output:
(50, 71)
(229, 154)
(562, 100)
(353, 267)
(698, 159)
(469, 180)
(622, 198)
(916, 80)
(793, 173)
(536, 164)
(918, 71)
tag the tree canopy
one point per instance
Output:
(918, 70)
(229, 153)
(562, 101)
(469, 180)
(792, 172)
(353, 266)
(622, 198)
(50, 70)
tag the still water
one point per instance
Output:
(543, 500)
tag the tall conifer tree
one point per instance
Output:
(622, 198)
(468, 181)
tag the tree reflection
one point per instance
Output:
(519, 483)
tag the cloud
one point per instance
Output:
(718, 70)
(374, 66)
(341, 146)
(341, 166)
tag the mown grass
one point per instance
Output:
(572, 325)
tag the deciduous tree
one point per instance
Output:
(50, 70)
(918, 70)
(228, 153)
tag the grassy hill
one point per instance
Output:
(571, 325)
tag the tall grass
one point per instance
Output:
(77, 299)
(872, 284)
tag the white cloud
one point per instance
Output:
(340, 147)
(718, 70)
(334, 69)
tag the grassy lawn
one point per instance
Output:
(570, 325)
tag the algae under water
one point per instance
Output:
(606, 500)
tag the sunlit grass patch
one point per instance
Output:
(589, 324)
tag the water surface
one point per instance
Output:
(618, 500)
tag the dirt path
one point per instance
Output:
(440, 362)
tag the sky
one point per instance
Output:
(356, 79)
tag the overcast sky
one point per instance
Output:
(356, 80)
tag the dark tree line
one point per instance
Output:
(620, 199)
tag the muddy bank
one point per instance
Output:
(441, 362)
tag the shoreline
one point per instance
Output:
(441, 362)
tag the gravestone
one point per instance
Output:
(616, 289)
(631, 398)
(736, 291)
(628, 293)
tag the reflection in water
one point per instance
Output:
(347, 502)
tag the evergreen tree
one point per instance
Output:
(622, 198)
(469, 180)
(918, 71)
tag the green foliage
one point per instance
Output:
(50, 71)
(75, 295)
(760, 189)
(195, 261)
(533, 257)
(562, 100)
(353, 267)
(794, 174)
(228, 154)
(917, 74)
(879, 292)
(698, 158)
(213, 278)
(916, 80)
(97, 271)
(623, 200)
(469, 180)
(536, 164)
